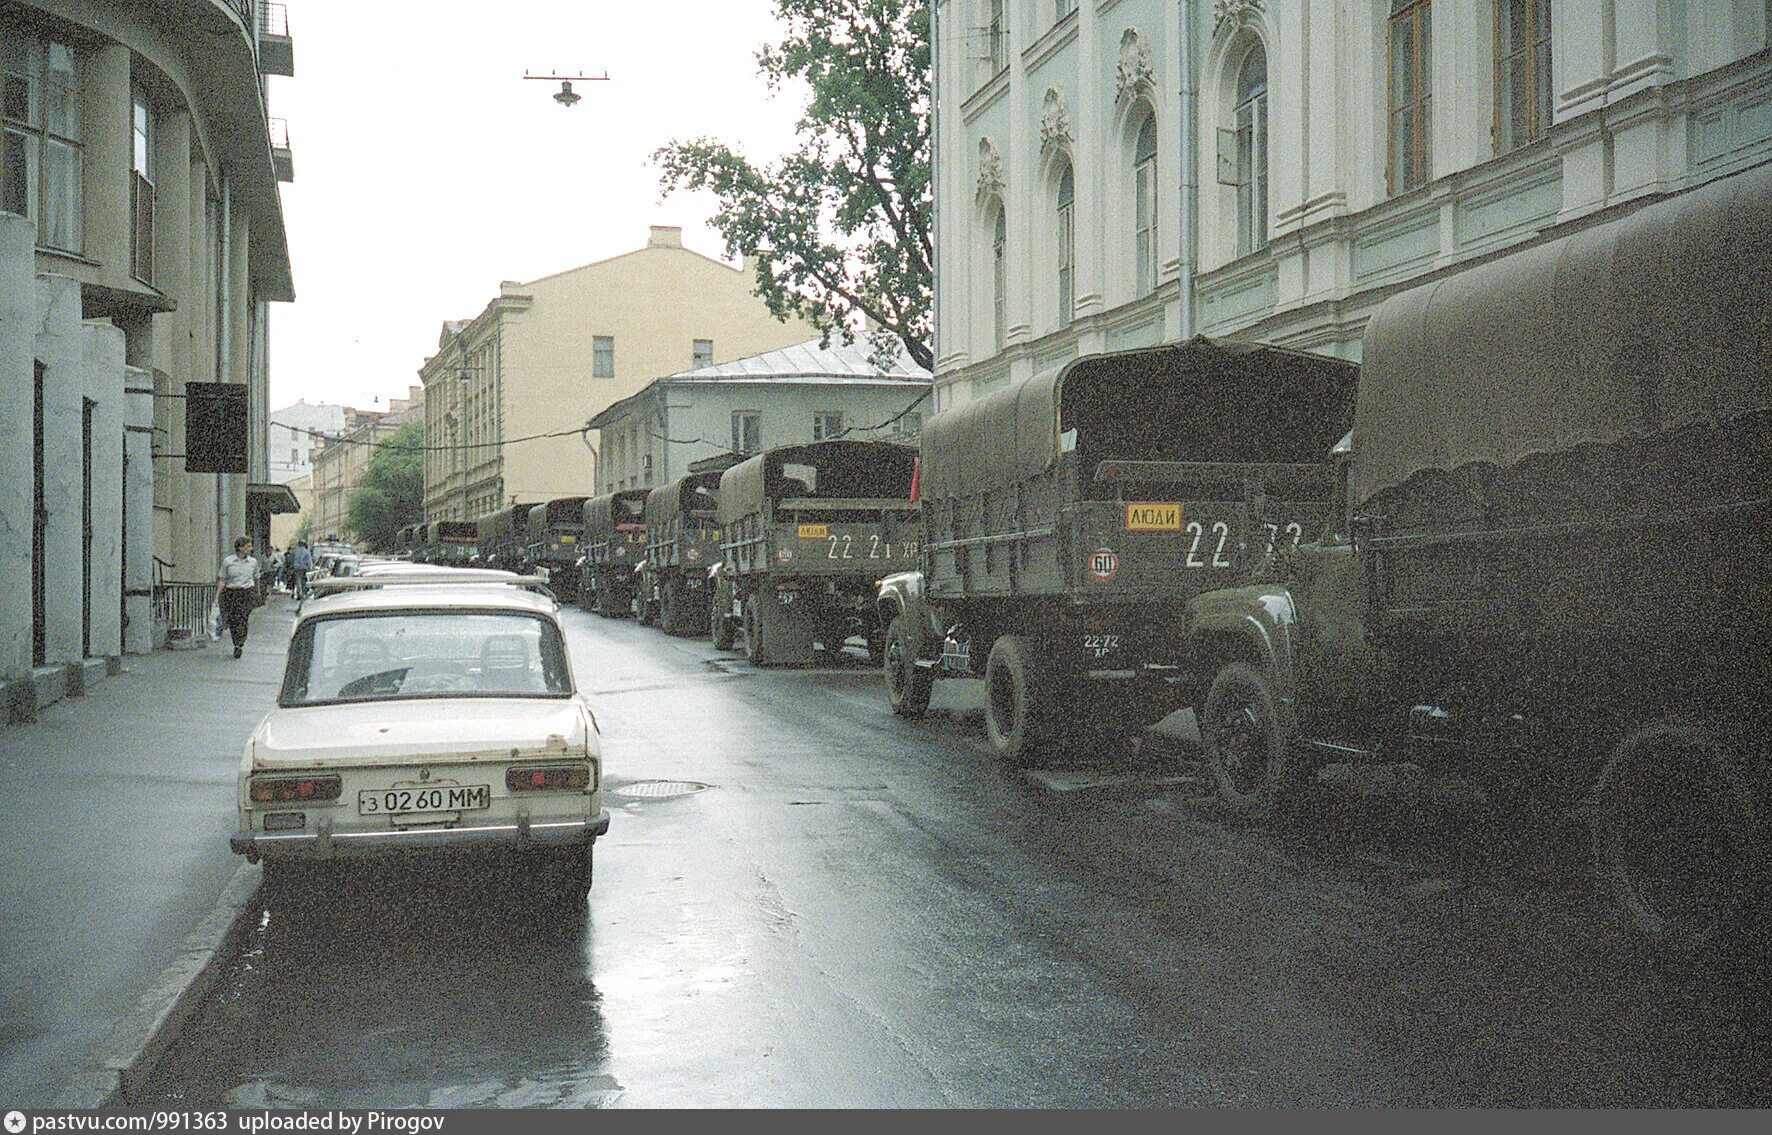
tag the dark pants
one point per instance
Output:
(236, 605)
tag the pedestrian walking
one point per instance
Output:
(236, 590)
(298, 563)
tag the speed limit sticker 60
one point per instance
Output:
(1103, 564)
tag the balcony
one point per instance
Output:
(281, 157)
(276, 51)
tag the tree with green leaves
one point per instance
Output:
(839, 229)
(391, 494)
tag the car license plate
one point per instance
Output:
(402, 802)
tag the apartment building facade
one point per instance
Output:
(340, 460)
(1117, 173)
(545, 357)
(141, 240)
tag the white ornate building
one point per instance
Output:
(1117, 173)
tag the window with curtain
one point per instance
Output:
(1144, 191)
(40, 156)
(702, 353)
(747, 431)
(1251, 131)
(999, 275)
(1067, 245)
(1522, 72)
(1411, 95)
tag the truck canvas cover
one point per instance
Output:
(1657, 323)
(836, 470)
(667, 503)
(1206, 400)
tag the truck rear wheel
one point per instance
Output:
(1240, 732)
(908, 685)
(1677, 838)
(1020, 705)
(645, 612)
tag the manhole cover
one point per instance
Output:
(657, 789)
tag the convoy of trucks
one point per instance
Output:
(1526, 543)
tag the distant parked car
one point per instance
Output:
(417, 715)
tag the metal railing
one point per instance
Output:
(184, 607)
(273, 19)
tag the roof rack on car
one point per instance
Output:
(451, 577)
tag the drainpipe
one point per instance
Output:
(224, 355)
(1190, 170)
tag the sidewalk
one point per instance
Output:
(115, 812)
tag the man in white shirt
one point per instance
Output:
(236, 590)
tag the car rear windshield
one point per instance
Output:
(400, 655)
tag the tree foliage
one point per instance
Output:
(391, 494)
(840, 227)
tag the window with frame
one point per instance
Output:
(141, 197)
(702, 353)
(827, 424)
(1411, 95)
(1067, 244)
(1063, 8)
(747, 431)
(1251, 141)
(40, 151)
(1522, 72)
(1144, 192)
(997, 35)
(999, 275)
(602, 356)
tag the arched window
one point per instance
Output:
(1067, 245)
(999, 276)
(1144, 191)
(1252, 152)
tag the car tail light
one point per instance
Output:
(548, 778)
(294, 789)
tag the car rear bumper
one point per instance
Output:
(324, 843)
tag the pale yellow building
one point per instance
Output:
(341, 461)
(285, 525)
(548, 355)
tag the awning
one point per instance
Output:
(271, 499)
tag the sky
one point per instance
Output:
(427, 169)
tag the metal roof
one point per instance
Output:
(808, 362)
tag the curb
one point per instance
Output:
(138, 1042)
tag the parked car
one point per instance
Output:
(421, 714)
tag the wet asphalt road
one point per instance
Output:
(862, 911)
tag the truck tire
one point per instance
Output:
(908, 685)
(1678, 838)
(645, 612)
(720, 623)
(1020, 706)
(1240, 733)
(775, 635)
(588, 596)
(667, 607)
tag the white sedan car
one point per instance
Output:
(419, 716)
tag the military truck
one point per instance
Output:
(1552, 569)
(614, 545)
(682, 543)
(450, 541)
(809, 531)
(500, 537)
(550, 543)
(1068, 518)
